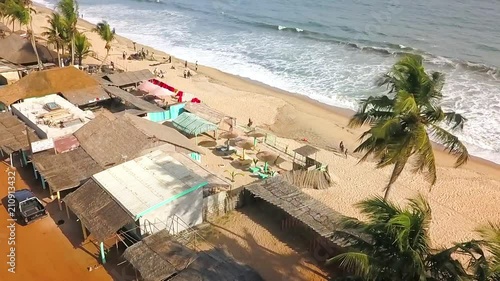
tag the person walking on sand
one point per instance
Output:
(196, 66)
(186, 64)
(169, 59)
(124, 55)
(250, 123)
(135, 50)
(185, 73)
(341, 146)
(345, 153)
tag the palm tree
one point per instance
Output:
(402, 121)
(393, 244)
(21, 11)
(55, 33)
(106, 34)
(82, 46)
(69, 13)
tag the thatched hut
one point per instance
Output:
(315, 179)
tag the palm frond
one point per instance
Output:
(455, 119)
(451, 143)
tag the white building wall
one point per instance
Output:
(188, 208)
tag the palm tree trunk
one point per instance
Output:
(58, 55)
(105, 58)
(387, 191)
(33, 43)
(73, 49)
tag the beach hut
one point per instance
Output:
(307, 161)
(193, 125)
(316, 221)
(129, 79)
(161, 257)
(19, 50)
(14, 136)
(50, 81)
(159, 190)
(85, 97)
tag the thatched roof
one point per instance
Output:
(13, 133)
(315, 179)
(131, 99)
(217, 265)
(66, 170)
(204, 111)
(19, 50)
(50, 81)
(289, 198)
(159, 257)
(85, 96)
(111, 140)
(97, 210)
(306, 150)
(129, 77)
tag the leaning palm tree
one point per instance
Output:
(82, 47)
(402, 122)
(55, 33)
(106, 34)
(394, 244)
(69, 13)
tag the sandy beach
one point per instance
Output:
(461, 200)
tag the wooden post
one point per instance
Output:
(59, 200)
(34, 171)
(11, 163)
(67, 210)
(84, 231)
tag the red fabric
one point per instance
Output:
(195, 100)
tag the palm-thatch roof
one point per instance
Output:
(289, 198)
(42, 83)
(306, 150)
(13, 133)
(112, 140)
(129, 77)
(66, 170)
(159, 257)
(85, 96)
(315, 179)
(131, 99)
(98, 211)
(19, 50)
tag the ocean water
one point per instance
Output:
(331, 50)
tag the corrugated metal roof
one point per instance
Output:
(192, 124)
(81, 97)
(144, 182)
(133, 100)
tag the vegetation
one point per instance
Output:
(82, 46)
(68, 10)
(402, 121)
(233, 175)
(56, 33)
(106, 34)
(393, 244)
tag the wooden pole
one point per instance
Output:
(67, 210)
(103, 254)
(59, 200)
(83, 231)
(11, 163)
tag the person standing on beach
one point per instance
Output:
(341, 146)
(124, 55)
(169, 59)
(186, 64)
(185, 73)
(196, 66)
(345, 153)
(135, 50)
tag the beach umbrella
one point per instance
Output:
(228, 136)
(267, 157)
(256, 135)
(244, 144)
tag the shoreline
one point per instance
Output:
(341, 115)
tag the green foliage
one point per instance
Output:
(393, 244)
(82, 46)
(106, 34)
(402, 121)
(233, 174)
(68, 11)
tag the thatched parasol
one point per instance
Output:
(256, 135)
(269, 157)
(244, 144)
(228, 136)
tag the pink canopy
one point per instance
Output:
(161, 93)
(147, 87)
